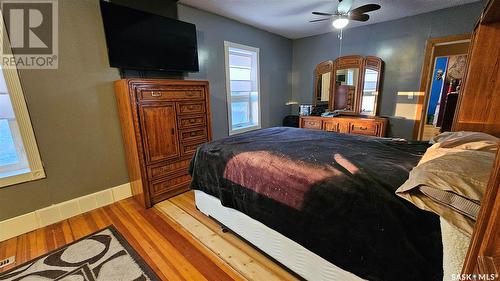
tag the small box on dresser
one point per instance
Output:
(163, 122)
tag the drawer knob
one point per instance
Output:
(192, 121)
(156, 94)
(190, 94)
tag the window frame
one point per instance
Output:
(27, 135)
(228, 45)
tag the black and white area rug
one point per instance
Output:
(104, 255)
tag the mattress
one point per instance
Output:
(455, 246)
(287, 252)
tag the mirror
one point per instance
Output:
(346, 82)
(323, 87)
(370, 94)
(350, 84)
(323, 82)
(371, 85)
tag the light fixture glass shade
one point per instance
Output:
(340, 23)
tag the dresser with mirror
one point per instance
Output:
(349, 88)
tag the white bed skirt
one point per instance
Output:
(289, 253)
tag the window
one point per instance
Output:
(19, 157)
(242, 84)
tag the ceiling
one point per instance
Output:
(290, 18)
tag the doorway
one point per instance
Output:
(445, 64)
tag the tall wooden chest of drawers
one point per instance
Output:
(163, 122)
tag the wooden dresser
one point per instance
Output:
(163, 122)
(369, 126)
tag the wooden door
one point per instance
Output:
(159, 131)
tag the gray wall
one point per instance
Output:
(73, 108)
(74, 117)
(275, 65)
(400, 43)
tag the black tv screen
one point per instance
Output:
(140, 40)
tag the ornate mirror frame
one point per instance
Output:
(376, 64)
(346, 62)
(323, 68)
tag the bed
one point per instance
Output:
(327, 197)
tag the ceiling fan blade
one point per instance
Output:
(344, 6)
(318, 20)
(322, 14)
(359, 17)
(366, 9)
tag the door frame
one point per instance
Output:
(426, 74)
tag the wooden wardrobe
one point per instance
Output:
(479, 110)
(163, 122)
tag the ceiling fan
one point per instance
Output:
(345, 13)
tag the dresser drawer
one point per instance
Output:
(162, 170)
(187, 135)
(191, 108)
(365, 128)
(170, 185)
(310, 123)
(170, 95)
(331, 126)
(189, 121)
(190, 148)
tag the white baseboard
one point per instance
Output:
(42, 217)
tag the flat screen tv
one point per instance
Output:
(140, 40)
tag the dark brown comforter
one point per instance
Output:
(331, 193)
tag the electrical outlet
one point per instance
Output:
(7, 261)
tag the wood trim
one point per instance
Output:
(426, 74)
(491, 13)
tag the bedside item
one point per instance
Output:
(319, 109)
(332, 113)
(291, 121)
(305, 109)
(163, 122)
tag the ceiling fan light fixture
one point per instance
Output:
(340, 23)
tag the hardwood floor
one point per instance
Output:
(163, 236)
